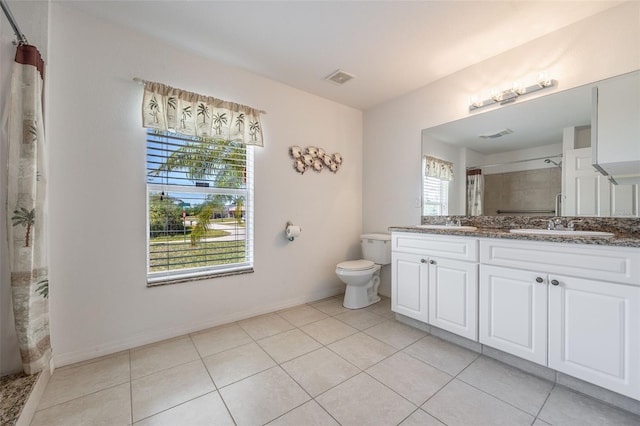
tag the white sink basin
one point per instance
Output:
(449, 227)
(562, 233)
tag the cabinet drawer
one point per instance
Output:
(460, 248)
(607, 263)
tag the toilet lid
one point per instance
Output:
(356, 265)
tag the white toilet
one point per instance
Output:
(362, 277)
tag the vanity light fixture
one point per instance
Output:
(519, 88)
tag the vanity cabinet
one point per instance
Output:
(410, 285)
(594, 332)
(574, 309)
(615, 126)
(435, 280)
(513, 311)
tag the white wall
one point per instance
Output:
(599, 47)
(99, 299)
(32, 18)
(514, 161)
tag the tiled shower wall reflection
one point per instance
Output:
(524, 190)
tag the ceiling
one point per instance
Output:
(392, 47)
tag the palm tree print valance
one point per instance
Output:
(166, 108)
(437, 168)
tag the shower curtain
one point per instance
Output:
(26, 210)
(475, 192)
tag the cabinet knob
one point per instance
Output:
(433, 262)
(539, 279)
(555, 282)
(423, 260)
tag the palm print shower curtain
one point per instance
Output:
(26, 210)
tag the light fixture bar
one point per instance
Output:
(510, 95)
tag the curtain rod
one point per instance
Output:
(142, 81)
(514, 162)
(7, 12)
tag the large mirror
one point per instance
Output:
(529, 156)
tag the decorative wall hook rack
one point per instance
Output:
(314, 158)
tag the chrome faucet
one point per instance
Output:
(451, 222)
(556, 224)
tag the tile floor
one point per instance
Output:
(315, 364)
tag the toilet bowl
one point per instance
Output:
(362, 277)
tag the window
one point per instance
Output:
(200, 207)
(436, 175)
(435, 197)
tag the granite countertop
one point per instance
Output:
(620, 239)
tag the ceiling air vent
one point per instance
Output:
(497, 134)
(339, 77)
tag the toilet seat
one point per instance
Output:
(356, 265)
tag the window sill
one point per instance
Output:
(158, 282)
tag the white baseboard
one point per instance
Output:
(30, 407)
(63, 359)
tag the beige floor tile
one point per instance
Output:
(108, 407)
(361, 350)
(237, 363)
(205, 410)
(73, 382)
(308, 414)
(319, 370)
(302, 315)
(263, 397)
(331, 306)
(362, 400)
(168, 388)
(421, 418)
(383, 308)
(360, 318)
(410, 377)
(461, 404)
(565, 407)
(265, 326)
(288, 345)
(328, 330)
(160, 356)
(450, 358)
(219, 339)
(507, 383)
(395, 333)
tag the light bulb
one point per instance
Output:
(496, 94)
(543, 79)
(519, 88)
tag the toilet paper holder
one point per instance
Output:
(292, 231)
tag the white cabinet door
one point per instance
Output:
(453, 296)
(594, 332)
(409, 284)
(513, 312)
(585, 189)
(624, 200)
(615, 125)
(588, 193)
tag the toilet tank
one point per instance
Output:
(376, 248)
